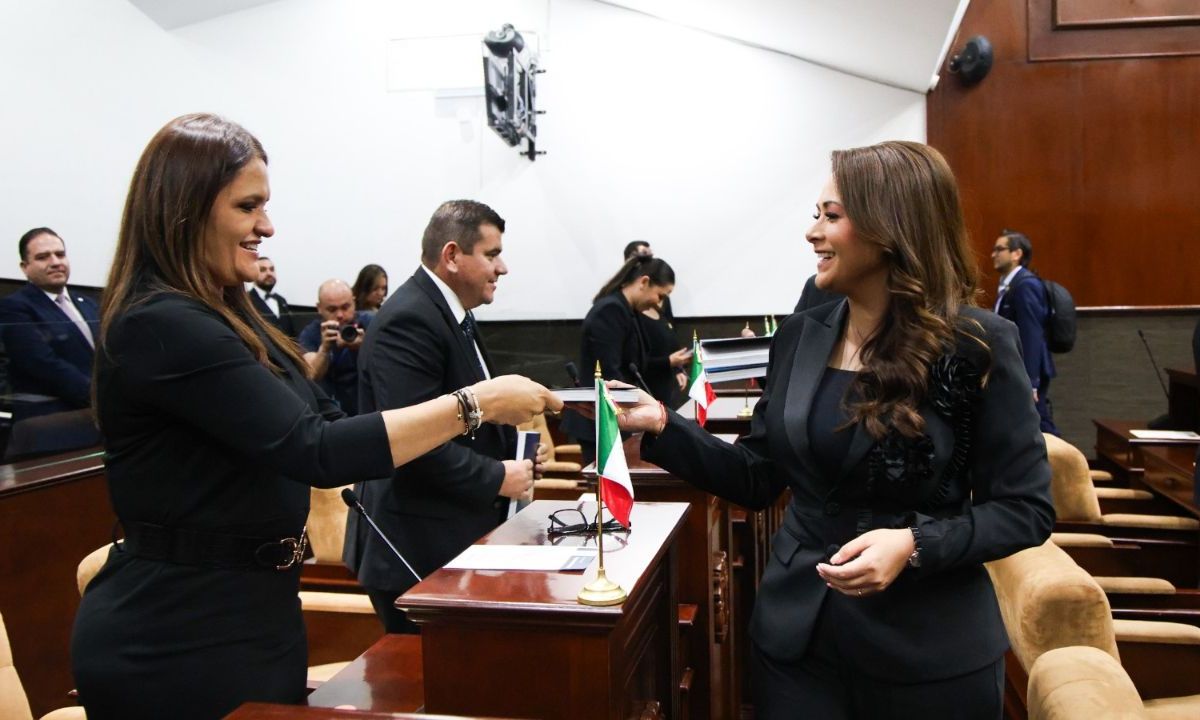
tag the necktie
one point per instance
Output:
(68, 308)
(471, 331)
(999, 297)
(266, 297)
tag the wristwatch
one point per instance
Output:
(914, 560)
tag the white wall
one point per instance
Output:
(711, 150)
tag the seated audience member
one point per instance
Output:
(370, 289)
(49, 335)
(270, 304)
(213, 434)
(331, 344)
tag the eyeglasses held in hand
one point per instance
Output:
(572, 521)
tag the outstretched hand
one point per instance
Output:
(646, 415)
(513, 399)
(872, 560)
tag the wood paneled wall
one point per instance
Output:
(1097, 160)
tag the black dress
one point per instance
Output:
(660, 343)
(201, 437)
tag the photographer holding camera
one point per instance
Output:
(331, 344)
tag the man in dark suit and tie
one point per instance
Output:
(422, 344)
(270, 304)
(49, 336)
(1022, 299)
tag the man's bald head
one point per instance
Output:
(335, 301)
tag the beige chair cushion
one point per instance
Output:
(1100, 475)
(1071, 487)
(315, 601)
(1135, 585)
(1176, 708)
(89, 566)
(555, 484)
(1080, 540)
(1158, 522)
(1107, 493)
(327, 524)
(1048, 602)
(67, 713)
(1081, 683)
(558, 466)
(1155, 631)
(13, 703)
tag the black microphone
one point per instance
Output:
(573, 373)
(641, 381)
(351, 500)
(1157, 372)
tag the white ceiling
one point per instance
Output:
(171, 14)
(898, 42)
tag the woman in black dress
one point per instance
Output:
(213, 436)
(900, 420)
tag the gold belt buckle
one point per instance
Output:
(296, 548)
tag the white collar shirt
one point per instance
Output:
(458, 311)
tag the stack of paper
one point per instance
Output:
(737, 358)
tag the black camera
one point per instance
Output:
(348, 333)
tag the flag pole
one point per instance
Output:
(601, 591)
(695, 403)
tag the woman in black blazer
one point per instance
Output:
(214, 434)
(900, 421)
(612, 334)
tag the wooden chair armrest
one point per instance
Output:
(1162, 658)
(1108, 493)
(561, 467)
(1156, 522)
(1073, 539)
(573, 449)
(1134, 585)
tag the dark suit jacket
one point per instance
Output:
(284, 321)
(813, 296)
(437, 505)
(1025, 305)
(933, 622)
(613, 336)
(47, 354)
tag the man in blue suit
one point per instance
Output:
(1022, 299)
(49, 336)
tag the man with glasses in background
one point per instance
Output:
(1021, 298)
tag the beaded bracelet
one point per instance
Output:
(469, 411)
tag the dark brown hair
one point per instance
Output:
(902, 196)
(23, 243)
(160, 248)
(659, 272)
(456, 221)
(365, 283)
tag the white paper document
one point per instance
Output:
(524, 557)
(1164, 435)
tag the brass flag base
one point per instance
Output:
(746, 412)
(601, 592)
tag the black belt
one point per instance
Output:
(207, 549)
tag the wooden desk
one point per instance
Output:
(518, 644)
(54, 511)
(390, 677)
(723, 413)
(1121, 453)
(263, 711)
(1183, 399)
(1169, 474)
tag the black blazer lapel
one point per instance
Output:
(466, 352)
(808, 364)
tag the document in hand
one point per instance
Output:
(579, 395)
(527, 445)
(737, 358)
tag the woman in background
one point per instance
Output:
(213, 435)
(370, 289)
(901, 421)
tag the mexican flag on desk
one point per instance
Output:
(616, 489)
(699, 388)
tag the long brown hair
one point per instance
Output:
(902, 196)
(160, 248)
